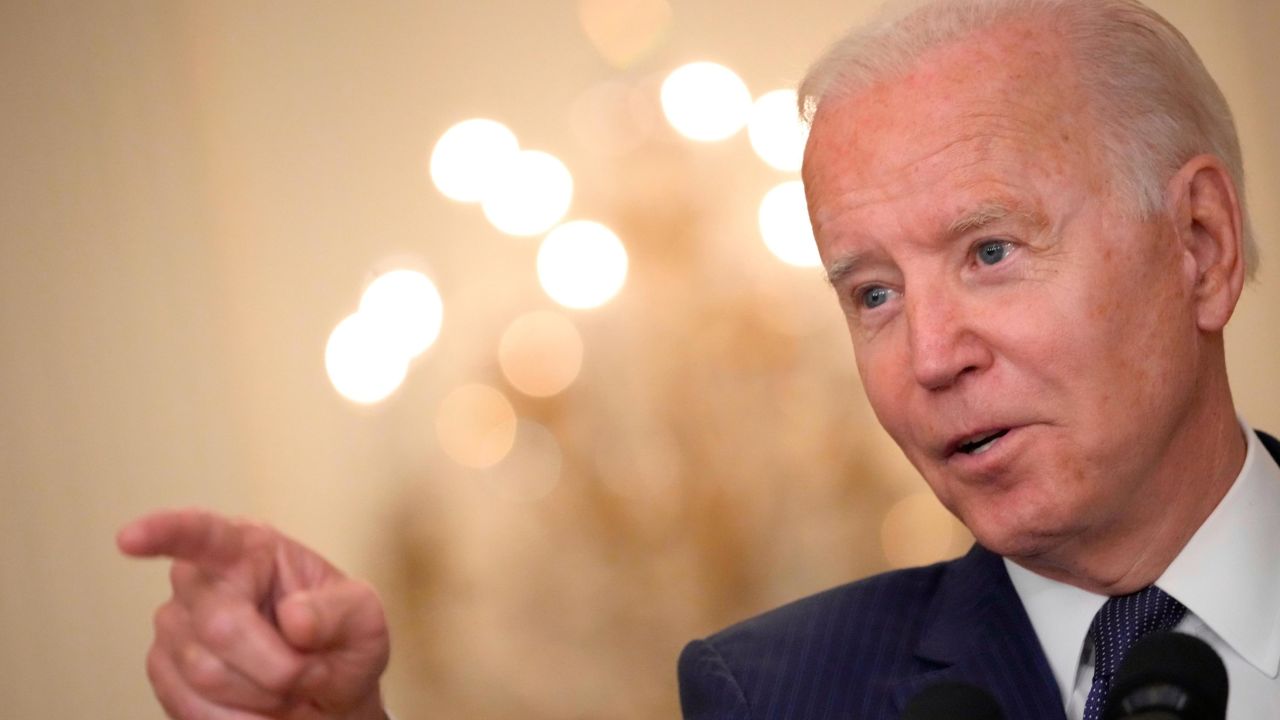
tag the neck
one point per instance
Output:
(1202, 460)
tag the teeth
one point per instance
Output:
(985, 446)
(981, 444)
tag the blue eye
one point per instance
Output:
(875, 297)
(992, 251)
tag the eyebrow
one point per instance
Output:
(990, 213)
(844, 266)
(984, 215)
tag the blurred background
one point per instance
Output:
(252, 257)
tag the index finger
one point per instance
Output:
(194, 535)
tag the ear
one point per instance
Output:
(1206, 212)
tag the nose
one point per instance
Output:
(944, 344)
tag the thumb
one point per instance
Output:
(339, 616)
(341, 628)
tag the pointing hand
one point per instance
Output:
(259, 627)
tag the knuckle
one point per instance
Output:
(365, 597)
(203, 671)
(364, 591)
(165, 693)
(154, 659)
(219, 627)
(181, 574)
(167, 683)
(256, 537)
(370, 606)
(167, 621)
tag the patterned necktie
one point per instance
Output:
(1121, 622)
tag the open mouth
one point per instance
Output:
(981, 443)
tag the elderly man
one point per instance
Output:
(1031, 211)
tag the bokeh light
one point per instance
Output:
(622, 31)
(540, 353)
(705, 101)
(407, 307)
(917, 530)
(776, 132)
(530, 193)
(582, 264)
(467, 157)
(476, 426)
(532, 469)
(784, 225)
(363, 362)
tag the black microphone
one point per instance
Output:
(951, 700)
(1169, 676)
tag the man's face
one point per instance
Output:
(1030, 347)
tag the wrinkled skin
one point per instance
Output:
(992, 281)
(258, 626)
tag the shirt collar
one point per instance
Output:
(1226, 575)
(1061, 615)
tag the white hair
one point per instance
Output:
(1155, 104)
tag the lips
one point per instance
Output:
(976, 443)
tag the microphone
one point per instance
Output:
(952, 700)
(1169, 676)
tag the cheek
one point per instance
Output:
(1145, 316)
(889, 387)
(1132, 345)
(885, 376)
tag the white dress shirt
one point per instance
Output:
(1228, 577)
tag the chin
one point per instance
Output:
(1024, 534)
(1012, 545)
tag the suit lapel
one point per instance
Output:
(978, 632)
(1271, 444)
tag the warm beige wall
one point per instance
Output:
(1237, 40)
(113, 376)
(192, 193)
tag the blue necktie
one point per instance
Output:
(1121, 622)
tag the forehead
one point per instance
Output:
(976, 122)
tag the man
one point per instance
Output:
(1031, 213)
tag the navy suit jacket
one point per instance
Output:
(861, 651)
